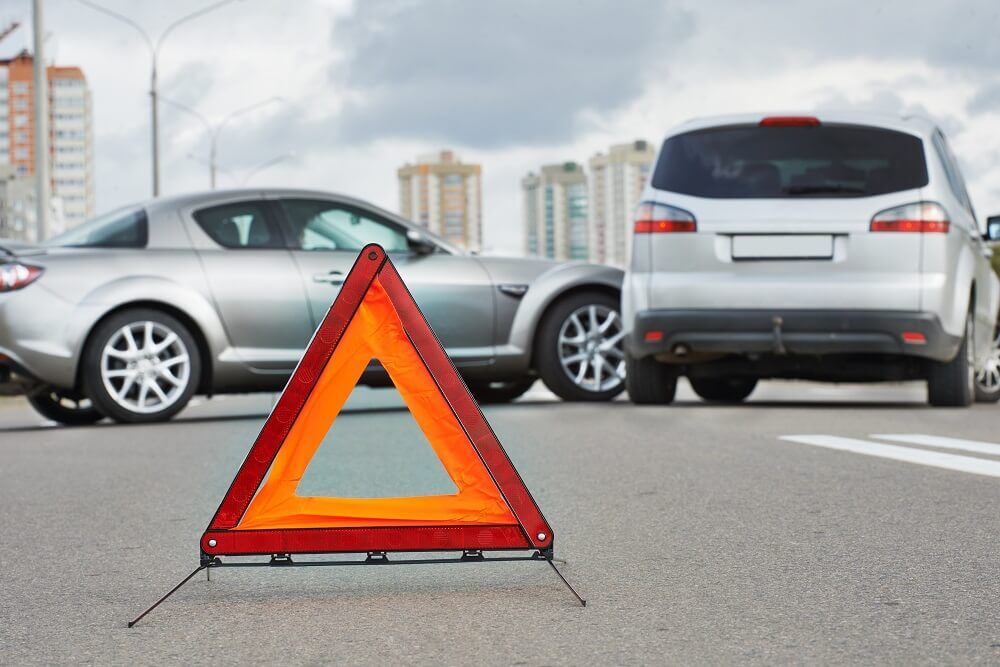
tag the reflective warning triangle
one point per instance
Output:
(375, 317)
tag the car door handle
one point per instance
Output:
(333, 278)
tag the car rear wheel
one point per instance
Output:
(141, 365)
(66, 407)
(650, 382)
(952, 383)
(988, 377)
(579, 353)
(723, 390)
(486, 393)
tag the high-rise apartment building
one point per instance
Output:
(71, 157)
(445, 196)
(616, 181)
(555, 212)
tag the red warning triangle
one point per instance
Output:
(375, 317)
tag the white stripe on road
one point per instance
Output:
(943, 442)
(918, 456)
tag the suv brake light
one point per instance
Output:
(925, 217)
(790, 121)
(14, 276)
(653, 218)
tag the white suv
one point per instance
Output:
(838, 248)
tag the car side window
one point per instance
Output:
(240, 225)
(324, 225)
(952, 172)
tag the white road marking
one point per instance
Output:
(919, 456)
(943, 442)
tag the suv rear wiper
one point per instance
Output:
(822, 189)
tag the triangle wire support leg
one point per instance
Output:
(583, 603)
(171, 592)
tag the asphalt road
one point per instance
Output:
(697, 533)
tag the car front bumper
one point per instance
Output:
(689, 335)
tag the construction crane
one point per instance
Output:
(11, 27)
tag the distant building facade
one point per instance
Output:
(444, 195)
(616, 181)
(71, 158)
(555, 212)
(17, 207)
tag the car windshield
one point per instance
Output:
(123, 228)
(750, 161)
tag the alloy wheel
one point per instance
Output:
(988, 377)
(145, 367)
(590, 348)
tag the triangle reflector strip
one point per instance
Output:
(375, 317)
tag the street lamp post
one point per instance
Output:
(154, 52)
(214, 130)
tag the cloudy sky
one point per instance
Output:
(510, 84)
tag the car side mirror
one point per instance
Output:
(992, 229)
(419, 244)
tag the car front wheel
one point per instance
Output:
(723, 390)
(988, 377)
(487, 393)
(63, 406)
(579, 352)
(141, 365)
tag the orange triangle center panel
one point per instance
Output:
(375, 317)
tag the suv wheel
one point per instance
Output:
(723, 390)
(579, 352)
(499, 392)
(952, 383)
(141, 365)
(988, 377)
(66, 407)
(650, 382)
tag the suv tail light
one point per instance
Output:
(14, 276)
(653, 218)
(925, 217)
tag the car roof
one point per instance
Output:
(186, 199)
(169, 203)
(912, 124)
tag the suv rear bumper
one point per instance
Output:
(710, 334)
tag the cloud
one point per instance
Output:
(987, 100)
(494, 74)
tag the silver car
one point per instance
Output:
(842, 247)
(132, 313)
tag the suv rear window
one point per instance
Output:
(124, 228)
(750, 161)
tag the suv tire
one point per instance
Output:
(650, 382)
(952, 383)
(130, 352)
(723, 390)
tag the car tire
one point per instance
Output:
(487, 393)
(988, 377)
(135, 354)
(649, 381)
(952, 383)
(66, 407)
(723, 390)
(587, 324)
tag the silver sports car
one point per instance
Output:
(132, 313)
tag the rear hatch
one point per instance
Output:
(783, 213)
